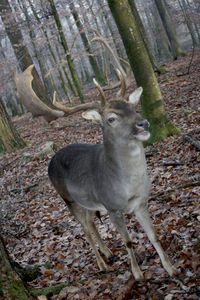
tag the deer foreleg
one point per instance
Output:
(143, 217)
(104, 249)
(117, 219)
(81, 215)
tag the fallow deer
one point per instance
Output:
(109, 177)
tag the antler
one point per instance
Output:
(71, 110)
(128, 68)
(120, 94)
(103, 98)
(29, 98)
(116, 61)
(127, 77)
(122, 91)
(33, 104)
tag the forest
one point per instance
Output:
(59, 59)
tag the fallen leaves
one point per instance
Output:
(38, 229)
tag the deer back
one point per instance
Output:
(112, 174)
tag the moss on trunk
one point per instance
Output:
(11, 286)
(152, 101)
(10, 140)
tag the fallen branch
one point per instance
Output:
(194, 143)
(178, 187)
(24, 188)
(172, 163)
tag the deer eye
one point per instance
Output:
(111, 119)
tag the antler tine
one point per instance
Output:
(123, 83)
(103, 97)
(59, 105)
(128, 67)
(71, 110)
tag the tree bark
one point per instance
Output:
(176, 47)
(44, 30)
(162, 44)
(152, 101)
(98, 74)
(66, 49)
(11, 285)
(136, 15)
(10, 140)
(21, 51)
(184, 8)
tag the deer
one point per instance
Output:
(110, 177)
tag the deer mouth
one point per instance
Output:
(142, 135)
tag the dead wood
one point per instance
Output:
(193, 142)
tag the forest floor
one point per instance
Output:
(39, 230)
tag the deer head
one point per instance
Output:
(119, 117)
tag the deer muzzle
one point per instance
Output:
(142, 130)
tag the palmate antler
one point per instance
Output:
(33, 103)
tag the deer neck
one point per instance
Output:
(125, 156)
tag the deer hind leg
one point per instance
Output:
(143, 217)
(117, 219)
(80, 214)
(104, 249)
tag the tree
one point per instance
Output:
(98, 74)
(66, 49)
(144, 36)
(161, 40)
(21, 51)
(176, 47)
(152, 101)
(11, 285)
(51, 50)
(184, 8)
(10, 140)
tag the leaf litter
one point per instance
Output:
(38, 229)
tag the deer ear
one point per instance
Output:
(92, 115)
(135, 96)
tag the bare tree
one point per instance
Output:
(21, 51)
(176, 47)
(98, 74)
(66, 49)
(10, 140)
(152, 101)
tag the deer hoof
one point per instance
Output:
(138, 276)
(102, 265)
(173, 271)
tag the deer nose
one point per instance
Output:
(143, 124)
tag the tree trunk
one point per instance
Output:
(152, 102)
(66, 49)
(136, 15)
(183, 6)
(21, 51)
(176, 47)
(11, 286)
(98, 74)
(44, 30)
(10, 140)
(161, 39)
